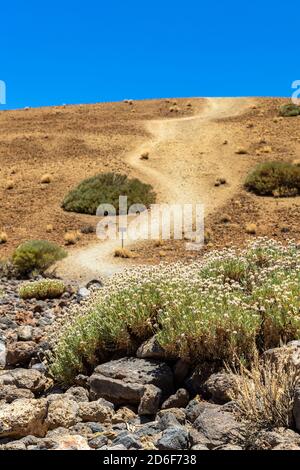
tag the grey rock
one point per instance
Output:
(83, 292)
(194, 408)
(150, 349)
(123, 381)
(95, 411)
(171, 417)
(181, 371)
(199, 447)
(230, 447)
(25, 333)
(218, 426)
(179, 400)
(268, 440)
(149, 429)
(219, 387)
(175, 438)
(150, 400)
(128, 440)
(80, 394)
(98, 442)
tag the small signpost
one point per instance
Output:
(122, 230)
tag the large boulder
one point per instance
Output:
(124, 381)
(23, 417)
(218, 426)
(29, 379)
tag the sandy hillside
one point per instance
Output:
(191, 143)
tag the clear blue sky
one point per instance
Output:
(83, 52)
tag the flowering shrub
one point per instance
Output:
(44, 289)
(216, 309)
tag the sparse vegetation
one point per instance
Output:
(251, 228)
(227, 306)
(10, 184)
(274, 179)
(44, 289)
(71, 238)
(3, 237)
(36, 255)
(123, 253)
(46, 179)
(106, 189)
(241, 151)
(264, 392)
(289, 110)
(145, 156)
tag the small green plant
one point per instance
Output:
(44, 289)
(36, 255)
(106, 189)
(289, 110)
(274, 179)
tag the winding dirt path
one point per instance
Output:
(186, 156)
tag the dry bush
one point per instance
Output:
(241, 151)
(9, 184)
(123, 253)
(251, 229)
(70, 238)
(145, 155)
(264, 393)
(3, 237)
(46, 179)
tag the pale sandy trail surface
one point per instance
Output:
(186, 156)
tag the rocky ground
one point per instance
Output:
(142, 402)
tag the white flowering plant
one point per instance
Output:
(227, 305)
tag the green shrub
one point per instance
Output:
(36, 255)
(106, 189)
(44, 289)
(289, 110)
(274, 179)
(226, 307)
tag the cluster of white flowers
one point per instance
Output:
(212, 308)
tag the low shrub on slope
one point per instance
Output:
(274, 179)
(106, 189)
